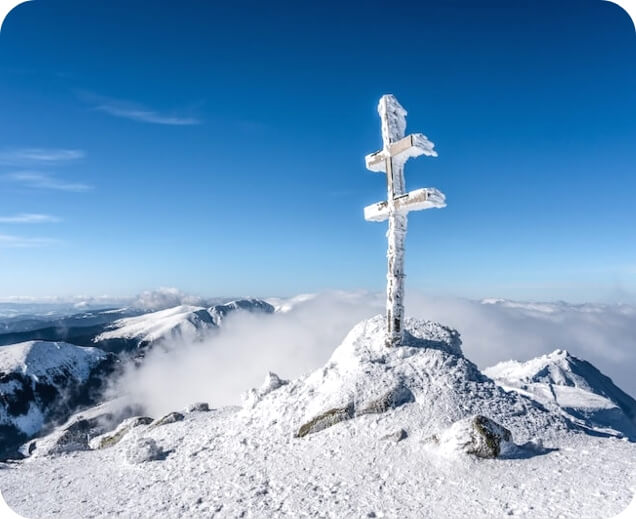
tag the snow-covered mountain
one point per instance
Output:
(42, 381)
(375, 432)
(575, 387)
(182, 323)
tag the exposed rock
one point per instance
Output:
(172, 417)
(110, 439)
(398, 396)
(326, 419)
(397, 436)
(390, 400)
(80, 429)
(74, 437)
(476, 435)
(198, 407)
(143, 450)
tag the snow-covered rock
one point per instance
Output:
(572, 386)
(142, 450)
(42, 381)
(104, 441)
(82, 428)
(271, 383)
(172, 417)
(183, 323)
(198, 407)
(476, 435)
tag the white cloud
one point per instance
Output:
(9, 241)
(135, 111)
(37, 180)
(29, 218)
(26, 156)
(164, 297)
(145, 115)
(302, 339)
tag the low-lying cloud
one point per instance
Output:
(302, 338)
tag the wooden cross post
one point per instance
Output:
(396, 150)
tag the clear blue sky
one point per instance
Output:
(218, 147)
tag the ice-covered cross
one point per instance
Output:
(396, 150)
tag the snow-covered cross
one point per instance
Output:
(396, 150)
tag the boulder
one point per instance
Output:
(172, 417)
(476, 435)
(397, 436)
(143, 450)
(110, 439)
(327, 419)
(198, 407)
(396, 397)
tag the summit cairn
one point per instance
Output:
(396, 150)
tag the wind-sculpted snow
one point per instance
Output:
(375, 457)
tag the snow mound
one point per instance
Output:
(574, 387)
(426, 382)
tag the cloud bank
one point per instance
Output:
(302, 337)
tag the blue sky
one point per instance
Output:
(220, 148)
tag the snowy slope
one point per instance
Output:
(41, 380)
(182, 323)
(574, 386)
(430, 366)
(378, 461)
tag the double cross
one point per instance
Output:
(396, 150)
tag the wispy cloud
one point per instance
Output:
(37, 180)
(9, 241)
(23, 156)
(135, 111)
(29, 218)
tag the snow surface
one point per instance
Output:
(248, 462)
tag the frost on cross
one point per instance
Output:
(396, 150)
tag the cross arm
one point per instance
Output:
(412, 145)
(425, 198)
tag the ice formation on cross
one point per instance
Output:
(396, 150)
